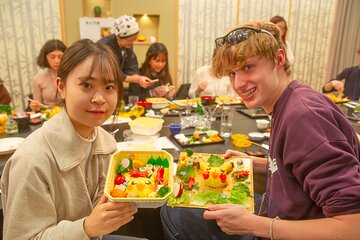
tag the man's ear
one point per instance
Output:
(281, 58)
(61, 87)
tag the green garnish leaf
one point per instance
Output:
(215, 161)
(163, 191)
(185, 172)
(159, 161)
(189, 152)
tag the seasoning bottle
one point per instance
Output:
(11, 126)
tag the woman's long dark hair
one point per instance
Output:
(154, 51)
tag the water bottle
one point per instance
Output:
(226, 121)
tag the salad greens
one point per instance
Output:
(215, 161)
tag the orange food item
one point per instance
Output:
(215, 138)
(118, 193)
(196, 135)
(242, 143)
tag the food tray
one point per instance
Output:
(200, 183)
(184, 102)
(157, 100)
(195, 144)
(233, 100)
(141, 156)
(253, 113)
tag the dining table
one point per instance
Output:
(147, 222)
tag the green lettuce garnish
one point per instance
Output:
(215, 161)
(185, 172)
(183, 199)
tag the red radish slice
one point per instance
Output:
(178, 189)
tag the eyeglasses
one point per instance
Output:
(239, 35)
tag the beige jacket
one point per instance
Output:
(44, 192)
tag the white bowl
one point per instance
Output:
(146, 126)
(262, 124)
(158, 103)
(256, 136)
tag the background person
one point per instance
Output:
(281, 23)
(4, 94)
(56, 189)
(125, 32)
(155, 66)
(347, 82)
(43, 84)
(205, 83)
(313, 184)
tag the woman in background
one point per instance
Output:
(281, 23)
(4, 94)
(155, 66)
(205, 83)
(56, 189)
(44, 88)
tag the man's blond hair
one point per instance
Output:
(228, 56)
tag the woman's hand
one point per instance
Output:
(159, 91)
(171, 92)
(231, 218)
(201, 87)
(107, 217)
(338, 85)
(35, 105)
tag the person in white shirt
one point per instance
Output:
(204, 83)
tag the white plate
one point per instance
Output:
(9, 145)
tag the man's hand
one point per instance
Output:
(231, 153)
(144, 82)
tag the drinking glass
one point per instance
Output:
(133, 100)
(226, 124)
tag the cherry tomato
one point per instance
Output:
(222, 177)
(206, 175)
(119, 179)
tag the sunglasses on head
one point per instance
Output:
(238, 35)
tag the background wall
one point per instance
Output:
(167, 10)
(24, 27)
(309, 24)
(188, 28)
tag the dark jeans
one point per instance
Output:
(119, 237)
(189, 223)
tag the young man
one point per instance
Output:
(313, 169)
(347, 82)
(126, 31)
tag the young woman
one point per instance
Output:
(55, 190)
(44, 83)
(155, 66)
(281, 23)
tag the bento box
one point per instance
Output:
(143, 177)
(206, 179)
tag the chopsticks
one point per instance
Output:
(265, 146)
(37, 102)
